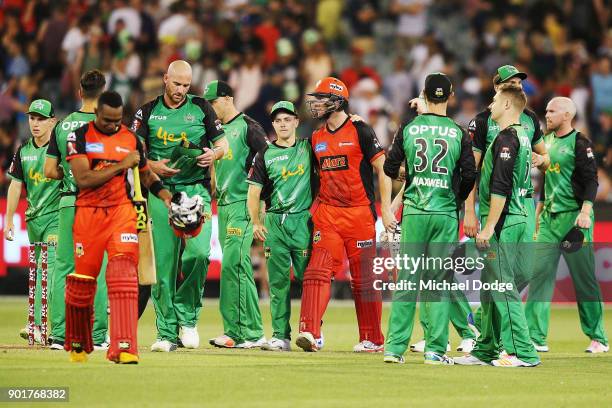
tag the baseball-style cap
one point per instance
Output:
(438, 87)
(572, 241)
(217, 89)
(283, 106)
(331, 85)
(508, 71)
(41, 107)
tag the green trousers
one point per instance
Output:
(63, 267)
(238, 300)
(525, 252)
(581, 263)
(502, 309)
(178, 306)
(288, 242)
(43, 229)
(428, 235)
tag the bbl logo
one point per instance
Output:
(317, 237)
(267, 252)
(189, 118)
(78, 249)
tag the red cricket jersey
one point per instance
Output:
(102, 150)
(344, 157)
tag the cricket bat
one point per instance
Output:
(146, 259)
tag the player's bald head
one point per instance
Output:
(178, 81)
(179, 68)
(560, 112)
(563, 104)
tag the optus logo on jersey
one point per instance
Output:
(276, 159)
(433, 129)
(72, 125)
(169, 137)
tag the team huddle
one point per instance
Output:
(310, 201)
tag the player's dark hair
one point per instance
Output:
(110, 98)
(441, 100)
(92, 84)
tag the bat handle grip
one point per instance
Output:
(137, 190)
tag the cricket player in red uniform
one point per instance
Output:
(344, 215)
(100, 154)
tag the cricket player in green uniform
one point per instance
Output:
(42, 195)
(239, 302)
(440, 173)
(504, 185)
(182, 137)
(570, 186)
(56, 167)
(483, 130)
(282, 174)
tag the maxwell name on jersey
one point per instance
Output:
(430, 182)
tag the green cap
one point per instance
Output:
(509, 71)
(217, 89)
(283, 106)
(41, 107)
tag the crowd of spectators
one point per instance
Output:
(271, 49)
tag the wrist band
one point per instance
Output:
(156, 187)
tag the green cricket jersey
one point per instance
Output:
(483, 131)
(506, 171)
(440, 166)
(245, 137)
(42, 194)
(163, 129)
(285, 175)
(571, 177)
(57, 149)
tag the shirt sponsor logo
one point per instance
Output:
(505, 153)
(232, 231)
(72, 125)
(79, 250)
(365, 244)
(159, 117)
(285, 174)
(276, 159)
(29, 158)
(345, 144)
(334, 163)
(129, 238)
(37, 177)
(320, 147)
(433, 130)
(120, 149)
(94, 147)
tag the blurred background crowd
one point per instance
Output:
(270, 50)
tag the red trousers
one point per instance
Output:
(339, 231)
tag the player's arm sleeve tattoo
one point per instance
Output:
(257, 173)
(467, 166)
(477, 130)
(370, 147)
(53, 150)
(538, 136)
(505, 149)
(396, 156)
(584, 179)
(16, 171)
(256, 140)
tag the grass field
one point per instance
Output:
(334, 377)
